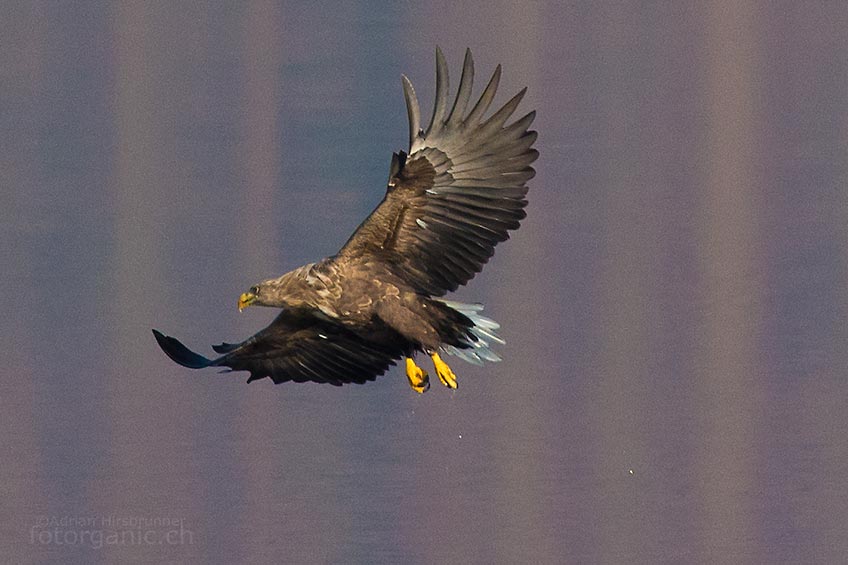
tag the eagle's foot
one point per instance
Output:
(418, 378)
(445, 374)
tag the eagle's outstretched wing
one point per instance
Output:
(295, 348)
(458, 192)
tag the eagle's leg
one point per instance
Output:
(418, 379)
(445, 374)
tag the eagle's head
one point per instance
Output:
(296, 289)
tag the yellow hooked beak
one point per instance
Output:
(246, 300)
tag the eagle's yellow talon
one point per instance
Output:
(418, 378)
(443, 371)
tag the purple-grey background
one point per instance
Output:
(674, 380)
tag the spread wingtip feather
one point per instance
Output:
(179, 353)
(412, 110)
(440, 108)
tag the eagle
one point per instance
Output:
(450, 199)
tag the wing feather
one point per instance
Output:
(440, 107)
(485, 99)
(458, 193)
(298, 349)
(412, 110)
(463, 95)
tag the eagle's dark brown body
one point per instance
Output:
(448, 203)
(370, 299)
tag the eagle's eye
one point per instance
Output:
(254, 290)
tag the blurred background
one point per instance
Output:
(673, 387)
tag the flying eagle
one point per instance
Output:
(450, 199)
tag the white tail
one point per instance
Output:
(483, 329)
